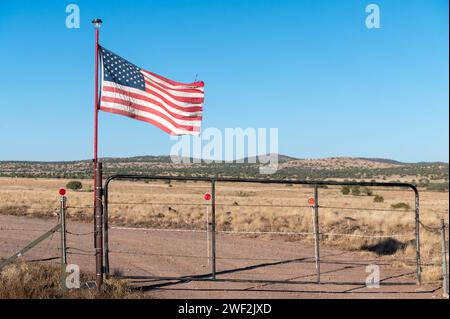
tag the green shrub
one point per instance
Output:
(437, 187)
(74, 185)
(378, 199)
(345, 190)
(401, 205)
(367, 191)
(356, 191)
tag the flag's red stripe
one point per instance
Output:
(146, 109)
(165, 87)
(193, 100)
(146, 98)
(199, 83)
(144, 119)
(137, 97)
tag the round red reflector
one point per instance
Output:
(311, 201)
(62, 191)
(207, 196)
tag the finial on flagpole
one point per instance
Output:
(97, 23)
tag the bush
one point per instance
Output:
(356, 191)
(367, 191)
(437, 187)
(378, 199)
(345, 190)
(74, 185)
(401, 205)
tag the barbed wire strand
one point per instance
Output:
(260, 232)
(261, 205)
(325, 261)
(80, 254)
(157, 229)
(80, 250)
(79, 234)
(433, 229)
(368, 209)
(23, 229)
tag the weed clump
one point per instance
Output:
(22, 280)
(401, 205)
(74, 185)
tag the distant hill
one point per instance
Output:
(288, 168)
(382, 160)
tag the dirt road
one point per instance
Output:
(288, 267)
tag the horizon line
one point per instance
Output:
(230, 161)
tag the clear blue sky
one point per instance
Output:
(310, 68)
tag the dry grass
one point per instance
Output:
(249, 207)
(37, 281)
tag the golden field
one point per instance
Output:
(344, 220)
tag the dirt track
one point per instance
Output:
(241, 261)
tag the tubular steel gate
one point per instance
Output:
(213, 180)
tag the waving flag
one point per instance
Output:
(128, 90)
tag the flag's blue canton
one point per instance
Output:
(119, 70)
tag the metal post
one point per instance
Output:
(97, 23)
(213, 227)
(98, 209)
(105, 233)
(62, 216)
(417, 230)
(316, 231)
(98, 225)
(62, 213)
(207, 236)
(444, 260)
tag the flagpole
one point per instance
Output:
(98, 241)
(97, 23)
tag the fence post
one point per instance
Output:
(62, 216)
(62, 211)
(417, 228)
(98, 225)
(213, 227)
(207, 236)
(316, 231)
(105, 231)
(444, 260)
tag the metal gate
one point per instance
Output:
(213, 181)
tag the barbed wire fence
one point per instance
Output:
(48, 249)
(441, 232)
(76, 251)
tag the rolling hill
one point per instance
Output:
(288, 168)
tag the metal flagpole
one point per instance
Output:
(97, 166)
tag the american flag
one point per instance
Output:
(128, 90)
